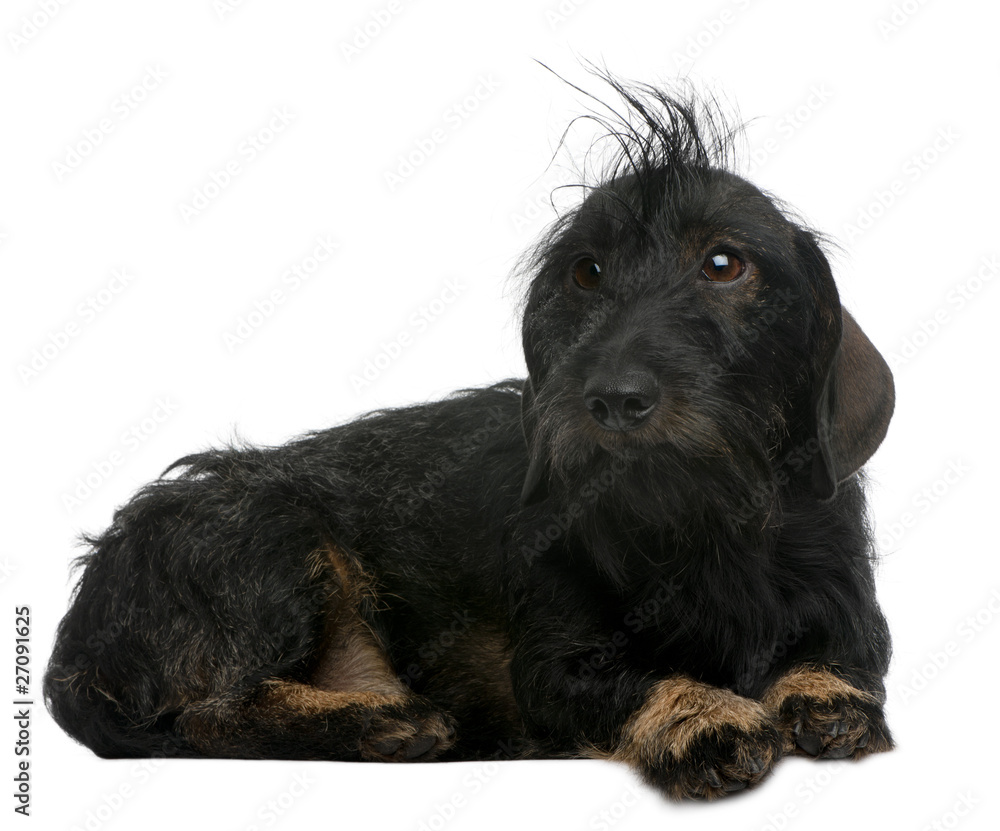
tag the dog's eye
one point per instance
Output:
(587, 273)
(723, 268)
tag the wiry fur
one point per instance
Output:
(497, 574)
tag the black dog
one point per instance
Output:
(653, 550)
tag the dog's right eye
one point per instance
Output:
(723, 268)
(587, 273)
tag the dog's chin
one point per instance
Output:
(587, 451)
(583, 444)
(658, 472)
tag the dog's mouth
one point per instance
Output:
(625, 439)
(650, 438)
(678, 457)
(633, 416)
(631, 431)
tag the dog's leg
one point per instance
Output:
(823, 715)
(693, 740)
(291, 720)
(354, 707)
(688, 739)
(232, 628)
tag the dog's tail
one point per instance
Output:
(204, 584)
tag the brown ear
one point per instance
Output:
(853, 410)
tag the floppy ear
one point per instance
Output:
(853, 409)
(535, 487)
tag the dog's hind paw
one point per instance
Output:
(408, 736)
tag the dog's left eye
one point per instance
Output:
(723, 268)
(587, 273)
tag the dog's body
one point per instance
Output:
(655, 549)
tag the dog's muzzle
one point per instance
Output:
(621, 401)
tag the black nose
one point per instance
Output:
(621, 401)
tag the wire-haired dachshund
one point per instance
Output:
(654, 549)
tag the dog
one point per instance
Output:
(654, 549)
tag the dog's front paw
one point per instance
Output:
(693, 741)
(823, 716)
(717, 762)
(839, 728)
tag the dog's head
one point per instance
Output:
(682, 329)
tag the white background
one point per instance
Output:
(844, 96)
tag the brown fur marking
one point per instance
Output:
(388, 737)
(353, 671)
(206, 723)
(474, 673)
(290, 696)
(679, 710)
(352, 659)
(812, 683)
(696, 741)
